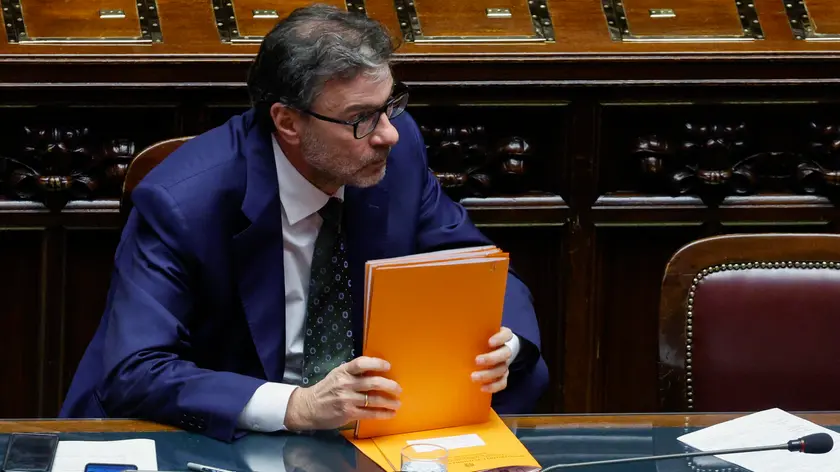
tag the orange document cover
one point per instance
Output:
(490, 446)
(429, 316)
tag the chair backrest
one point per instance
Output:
(749, 322)
(143, 163)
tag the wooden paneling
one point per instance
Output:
(691, 17)
(538, 257)
(823, 15)
(632, 260)
(592, 243)
(22, 316)
(188, 27)
(87, 268)
(591, 159)
(445, 18)
(252, 24)
(79, 18)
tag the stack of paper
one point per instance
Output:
(430, 315)
(766, 428)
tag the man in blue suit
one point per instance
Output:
(236, 299)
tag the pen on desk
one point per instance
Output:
(204, 468)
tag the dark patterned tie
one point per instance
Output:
(328, 340)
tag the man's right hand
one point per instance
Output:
(339, 398)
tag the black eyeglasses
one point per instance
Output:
(364, 124)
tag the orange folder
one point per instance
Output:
(490, 446)
(429, 316)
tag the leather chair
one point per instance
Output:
(749, 322)
(142, 164)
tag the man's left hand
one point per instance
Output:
(493, 366)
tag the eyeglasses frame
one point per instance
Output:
(399, 91)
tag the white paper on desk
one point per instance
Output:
(72, 456)
(767, 428)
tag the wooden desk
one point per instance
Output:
(538, 421)
(550, 439)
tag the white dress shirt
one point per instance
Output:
(300, 202)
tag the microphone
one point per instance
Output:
(817, 443)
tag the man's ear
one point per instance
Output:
(287, 123)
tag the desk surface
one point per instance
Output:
(552, 439)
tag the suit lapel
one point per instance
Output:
(258, 254)
(367, 224)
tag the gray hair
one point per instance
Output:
(311, 46)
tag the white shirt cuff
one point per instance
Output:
(266, 410)
(514, 346)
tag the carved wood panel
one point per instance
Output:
(590, 188)
(76, 153)
(678, 170)
(722, 151)
(481, 152)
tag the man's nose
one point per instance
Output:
(385, 134)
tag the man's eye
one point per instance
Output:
(362, 116)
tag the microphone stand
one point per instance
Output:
(668, 456)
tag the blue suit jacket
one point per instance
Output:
(194, 318)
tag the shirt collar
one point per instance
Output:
(299, 197)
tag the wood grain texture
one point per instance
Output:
(540, 261)
(647, 421)
(544, 421)
(189, 30)
(824, 16)
(143, 163)
(692, 18)
(249, 25)
(79, 19)
(81, 426)
(446, 18)
(22, 317)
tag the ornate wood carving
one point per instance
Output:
(820, 173)
(57, 164)
(714, 161)
(469, 164)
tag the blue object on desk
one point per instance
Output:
(109, 467)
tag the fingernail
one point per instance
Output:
(387, 366)
(474, 376)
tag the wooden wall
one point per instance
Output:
(590, 157)
(609, 181)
